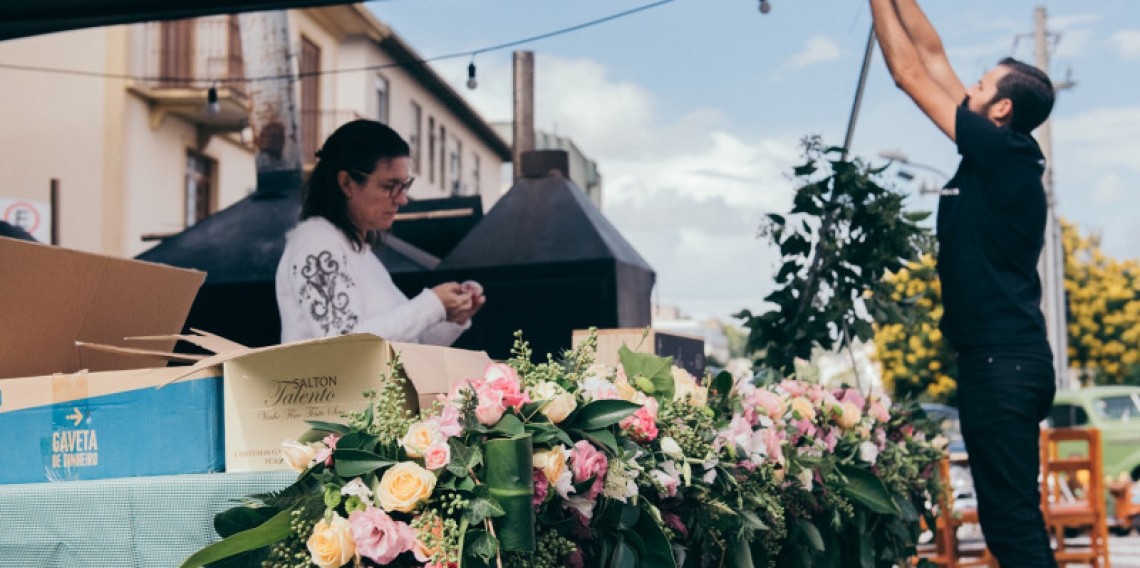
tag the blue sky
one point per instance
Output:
(694, 109)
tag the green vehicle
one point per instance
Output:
(1115, 410)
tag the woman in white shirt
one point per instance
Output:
(329, 282)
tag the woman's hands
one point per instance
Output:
(460, 301)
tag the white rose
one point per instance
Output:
(299, 456)
(420, 437)
(805, 477)
(559, 403)
(684, 385)
(868, 452)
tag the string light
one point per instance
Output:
(765, 6)
(471, 82)
(294, 76)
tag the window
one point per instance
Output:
(1066, 415)
(414, 138)
(456, 166)
(310, 68)
(475, 174)
(176, 63)
(382, 97)
(442, 157)
(431, 150)
(199, 188)
(1121, 407)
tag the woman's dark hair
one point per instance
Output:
(1031, 92)
(356, 147)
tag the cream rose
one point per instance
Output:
(684, 385)
(331, 544)
(803, 408)
(299, 456)
(559, 403)
(552, 462)
(849, 416)
(403, 486)
(420, 437)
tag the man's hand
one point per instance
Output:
(929, 46)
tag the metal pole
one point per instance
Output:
(524, 108)
(266, 51)
(870, 49)
(54, 197)
(1052, 264)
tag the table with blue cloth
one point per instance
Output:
(130, 522)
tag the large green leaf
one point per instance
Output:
(481, 506)
(641, 367)
(602, 413)
(351, 463)
(602, 438)
(511, 484)
(269, 532)
(329, 427)
(624, 555)
(509, 425)
(658, 553)
(868, 490)
(242, 518)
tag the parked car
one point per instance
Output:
(1115, 411)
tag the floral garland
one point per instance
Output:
(571, 463)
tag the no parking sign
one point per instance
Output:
(31, 216)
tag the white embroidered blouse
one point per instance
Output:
(325, 288)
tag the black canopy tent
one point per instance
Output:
(21, 18)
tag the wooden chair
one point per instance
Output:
(1073, 493)
(946, 550)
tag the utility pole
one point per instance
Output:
(524, 108)
(1052, 263)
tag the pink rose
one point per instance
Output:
(879, 412)
(490, 408)
(852, 396)
(586, 462)
(378, 537)
(325, 454)
(503, 378)
(792, 387)
(438, 455)
(642, 425)
(771, 403)
(448, 421)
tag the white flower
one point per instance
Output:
(594, 388)
(684, 385)
(805, 477)
(940, 442)
(671, 448)
(356, 487)
(868, 452)
(559, 403)
(421, 436)
(299, 456)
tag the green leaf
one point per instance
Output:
(510, 483)
(658, 370)
(356, 441)
(275, 529)
(480, 544)
(329, 427)
(602, 413)
(242, 518)
(353, 463)
(868, 490)
(657, 552)
(509, 425)
(601, 438)
(463, 458)
(624, 555)
(481, 506)
(810, 533)
(742, 555)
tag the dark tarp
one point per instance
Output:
(549, 263)
(20, 18)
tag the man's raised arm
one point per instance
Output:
(908, 70)
(925, 39)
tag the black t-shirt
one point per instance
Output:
(990, 234)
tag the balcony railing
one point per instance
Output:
(195, 53)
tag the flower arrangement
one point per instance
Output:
(572, 463)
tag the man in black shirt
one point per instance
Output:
(991, 225)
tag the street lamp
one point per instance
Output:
(901, 157)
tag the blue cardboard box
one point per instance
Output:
(111, 424)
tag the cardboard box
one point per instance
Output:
(111, 424)
(688, 351)
(51, 297)
(270, 392)
(76, 424)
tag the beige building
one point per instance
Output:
(127, 132)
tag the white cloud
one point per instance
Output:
(1109, 190)
(1102, 137)
(817, 49)
(1127, 43)
(684, 190)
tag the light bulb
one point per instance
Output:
(471, 82)
(765, 6)
(212, 104)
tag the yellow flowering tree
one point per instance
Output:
(1104, 310)
(915, 361)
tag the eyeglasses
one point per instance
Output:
(395, 188)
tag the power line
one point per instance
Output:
(406, 63)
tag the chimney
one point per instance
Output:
(524, 109)
(544, 163)
(273, 116)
